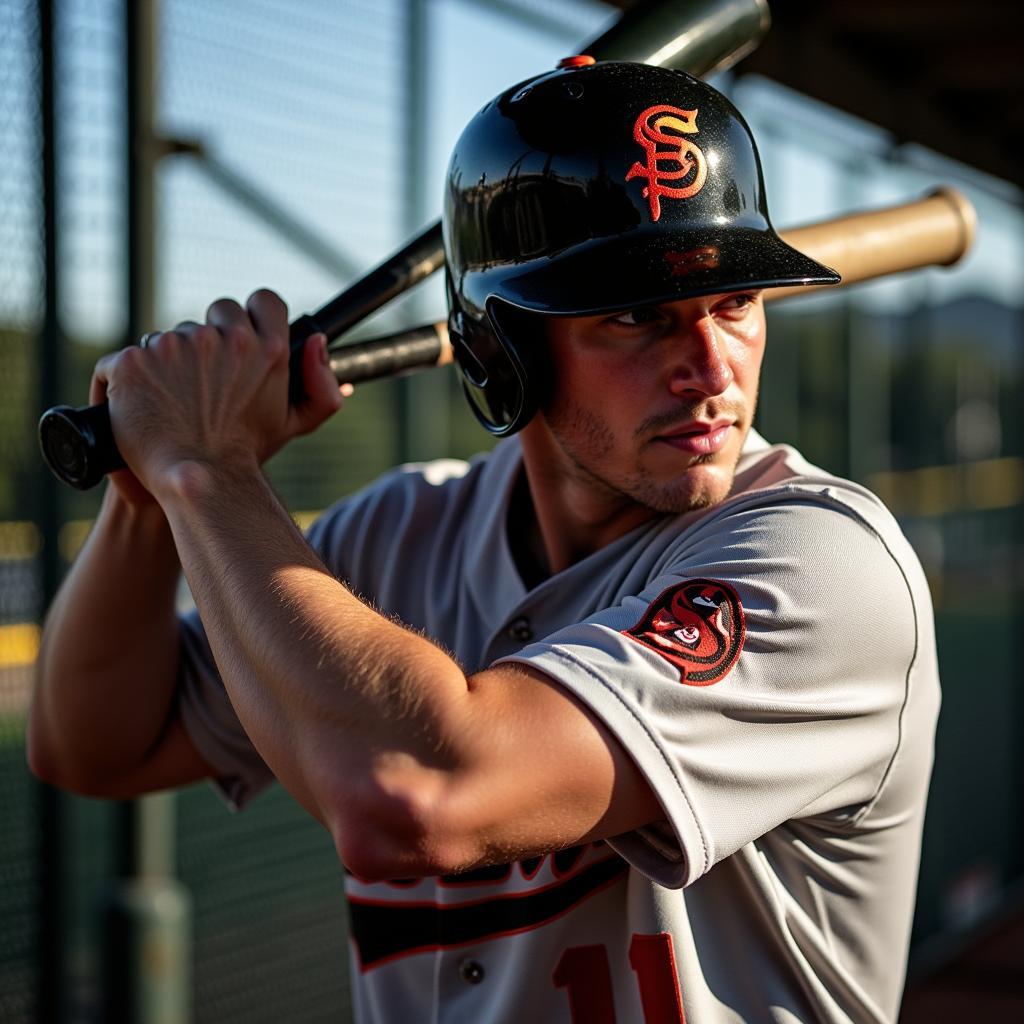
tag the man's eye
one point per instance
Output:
(638, 317)
(741, 300)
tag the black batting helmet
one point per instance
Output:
(594, 188)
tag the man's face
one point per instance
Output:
(651, 406)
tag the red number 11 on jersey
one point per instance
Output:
(584, 972)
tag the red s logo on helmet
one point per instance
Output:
(698, 626)
(688, 160)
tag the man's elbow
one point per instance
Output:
(48, 764)
(40, 756)
(55, 760)
(45, 757)
(53, 756)
(386, 832)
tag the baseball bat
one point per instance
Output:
(937, 230)
(699, 36)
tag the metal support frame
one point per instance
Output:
(424, 415)
(244, 191)
(52, 805)
(147, 913)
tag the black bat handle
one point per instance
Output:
(414, 262)
(78, 444)
(392, 356)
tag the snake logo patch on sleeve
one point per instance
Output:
(698, 626)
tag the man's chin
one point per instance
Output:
(702, 485)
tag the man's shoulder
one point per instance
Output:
(415, 507)
(780, 475)
(763, 464)
(810, 528)
(433, 483)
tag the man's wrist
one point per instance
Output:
(139, 516)
(191, 487)
(194, 479)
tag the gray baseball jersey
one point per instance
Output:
(770, 665)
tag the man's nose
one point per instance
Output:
(699, 360)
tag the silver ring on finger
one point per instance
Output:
(147, 338)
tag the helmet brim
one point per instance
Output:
(606, 276)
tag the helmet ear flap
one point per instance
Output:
(494, 378)
(474, 372)
(524, 333)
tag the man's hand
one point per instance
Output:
(214, 393)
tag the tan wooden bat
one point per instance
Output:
(934, 231)
(937, 230)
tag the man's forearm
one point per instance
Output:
(333, 695)
(108, 660)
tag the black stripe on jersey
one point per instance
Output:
(384, 930)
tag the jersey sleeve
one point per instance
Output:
(758, 678)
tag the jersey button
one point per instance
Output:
(471, 972)
(520, 629)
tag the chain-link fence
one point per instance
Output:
(21, 294)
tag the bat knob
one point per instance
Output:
(78, 444)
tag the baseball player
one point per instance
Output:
(630, 720)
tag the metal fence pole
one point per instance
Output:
(147, 916)
(424, 404)
(54, 848)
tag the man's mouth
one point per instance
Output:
(698, 437)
